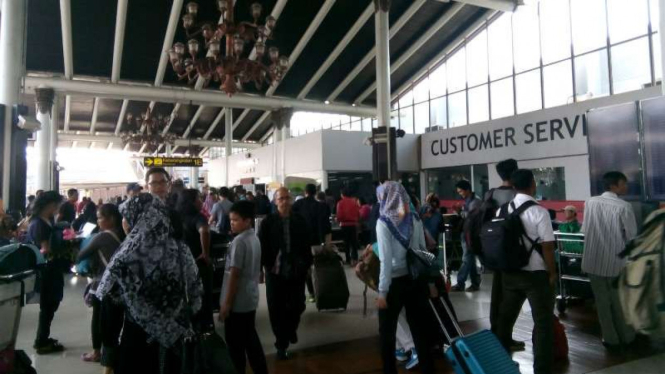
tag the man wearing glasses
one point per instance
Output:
(158, 181)
(286, 258)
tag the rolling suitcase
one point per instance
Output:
(478, 353)
(330, 285)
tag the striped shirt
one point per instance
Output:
(609, 223)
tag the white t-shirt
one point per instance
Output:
(538, 226)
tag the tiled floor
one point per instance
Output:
(348, 339)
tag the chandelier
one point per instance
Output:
(148, 130)
(227, 67)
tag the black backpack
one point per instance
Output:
(473, 224)
(503, 243)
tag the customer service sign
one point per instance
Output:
(544, 134)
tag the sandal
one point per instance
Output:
(91, 357)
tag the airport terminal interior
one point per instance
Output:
(332, 186)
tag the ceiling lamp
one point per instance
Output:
(225, 65)
(148, 130)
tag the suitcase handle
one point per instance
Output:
(450, 316)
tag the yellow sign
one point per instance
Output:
(173, 161)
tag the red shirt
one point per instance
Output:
(348, 212)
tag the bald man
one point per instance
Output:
(286, 257)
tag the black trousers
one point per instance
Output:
(286, 303)
(137, 356)
(244, 344)
(310, 284)
(350, 237)
(411, 295)
(52, 284)
(535, 287)
(204, 318)
(495, 300)
(96, 324)
(112, 320)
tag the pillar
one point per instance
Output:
(12, 49)
(228, 144)
(8, 124)
(44, 104)
(282, 120)
(53, 144)
(381, 29)
(169, 153)
(194, 178)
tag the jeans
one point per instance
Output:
(244, 344)
(535, 287)
(412, 296)
(468, 268)
(286, 303)
(350, 235)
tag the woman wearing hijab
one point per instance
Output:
(154, 278)
(397, 230)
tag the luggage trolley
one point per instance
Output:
(13, 289)
(571, 249)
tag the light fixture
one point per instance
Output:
(148, 130)
(327, 102)
(227, 66)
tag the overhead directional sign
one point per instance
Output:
(172, 161)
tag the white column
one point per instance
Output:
(169, 153)
(228, 143)
(12, 49)
(194, 178)
(53, 145)
(44, 97)
(382, 34)
(324, 180)
(6, 157)
(282, 168)
(661, 10)
(276, 135)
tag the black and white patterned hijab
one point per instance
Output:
(146, 274)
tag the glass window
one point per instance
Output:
(627, 19)
(481, 182)
(527, 87)
(356, 126)
(589, 25)
(406, 99)
(558, 79)
(456, 71)
(437, 79)
(479, 106)
(421, 91)
(442, 181)
(367, 124)
(476, 59)
(457, 109)
(550, 183)
(630, 65)
(421, 117)
(500, 48)
(502, 98)
(438, 112)
(592, 75)
(406, 119)
(555, 28)
(657, 58)
(654, 10)
(394, 119)
(526, 38)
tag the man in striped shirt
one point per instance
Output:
(609, 222)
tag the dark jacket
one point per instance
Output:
(271, 235)
(317, 215)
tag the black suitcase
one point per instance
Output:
(330, 285)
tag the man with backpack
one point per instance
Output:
(524, 252)
(468, 267)
(609, 223)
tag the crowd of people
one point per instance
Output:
(151, 274)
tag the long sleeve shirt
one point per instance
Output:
(393, 254)
(609, 223)
(348, 212)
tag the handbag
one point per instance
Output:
(369, 268)
(200, 353)
(419, 262)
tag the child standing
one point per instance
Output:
(240, 291)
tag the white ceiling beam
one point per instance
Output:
(237, 122)
(256, 126)
(121, 117)
(184, 95)
(501, 5)
(66, 28)
(68, 112)
(394, 29)
(214, 124)
(443, 54)
(95, 112)
(120, 18)
(172, 117)
(110, 138)
(267, 135)
(143, 147)
(168, 41)
(353, 31)
(302, 43)
(424, 38)
(191, 125)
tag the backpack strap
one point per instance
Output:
(517, 212)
